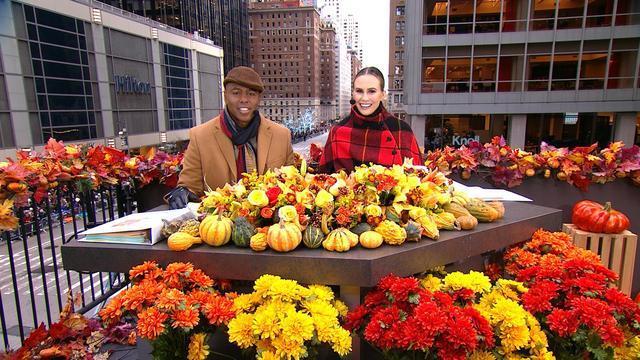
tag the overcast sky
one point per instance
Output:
(373, 16)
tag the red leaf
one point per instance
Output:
(55, 148)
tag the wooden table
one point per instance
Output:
(352, 271)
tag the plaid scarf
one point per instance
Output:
(379, 138)
(246, 153)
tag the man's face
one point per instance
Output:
(241, 103)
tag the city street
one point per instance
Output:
(302, 147)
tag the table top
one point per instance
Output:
(357, 267)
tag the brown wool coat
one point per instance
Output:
(210, 160)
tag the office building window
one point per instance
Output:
(399, 10)
(599, 13)
(433, 75)
(178, 87)
(457, 130)
(458, 74)
(488, 16)
(484, 74)
(62, 82)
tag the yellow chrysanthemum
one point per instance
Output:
(267, 355)
(287, 348)
(341, 307)
(474, 281)
(341, 341)
(321, 292)
(510, 289)
(198, 349)
(241, 330)
(244, 302)
(630, 350)
(431, 283)
(297, 326)
(482, 355)
(266, 323)
(286, 290)
(319, 308)
(263, 284)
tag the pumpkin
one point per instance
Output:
(338, 240)
(360, 228)
(414, 231)
(284, 236)
(591, 216)
(215, 230)
(258, 242)
(499, 206)
(312, 237)
(371, 239)
(467, 222)
(180, 241)
(242, 232)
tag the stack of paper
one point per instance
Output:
(140, 228)
(489, 194)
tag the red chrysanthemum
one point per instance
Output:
(563, 322)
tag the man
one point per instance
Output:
(236, 141)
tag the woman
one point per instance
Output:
(369, 134)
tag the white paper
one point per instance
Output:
(489, 194)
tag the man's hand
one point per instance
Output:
(179, 197)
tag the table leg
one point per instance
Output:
(351, 297)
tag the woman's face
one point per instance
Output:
(367, 93)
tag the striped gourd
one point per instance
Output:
(215, 230)
(284, 236)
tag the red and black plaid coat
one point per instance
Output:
(380, 138)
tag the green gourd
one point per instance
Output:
(414, 231)
(242, 232)
(312, 237)
(360, 228)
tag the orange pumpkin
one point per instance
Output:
(284, 236)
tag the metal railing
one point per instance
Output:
(33, 282)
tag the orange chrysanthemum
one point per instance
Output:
(170, 300)
(187, 318)
(199, 278)
(112, 312)
(198, 297)
(176, 272)
(148, 269)
(151, 323)
(219, 310)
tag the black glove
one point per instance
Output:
(179, 197)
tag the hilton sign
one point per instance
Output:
(130, 85)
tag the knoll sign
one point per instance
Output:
(126, 84)
(458, 140)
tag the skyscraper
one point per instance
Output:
(396, 57)
(225, 22)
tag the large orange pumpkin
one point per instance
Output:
(284, 236)
(591, 216)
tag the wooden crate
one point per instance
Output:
(616, 251)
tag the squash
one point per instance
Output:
(482, 211)
(284, 236)
(456, 209)
(499, 206)
(258, 242)
(371, 239)
(591, 216)
(467, 222)
(392, 233)
(215, 230)
(180, 241)
(338, 240)
(242, 232)
(446, 221)
(360, 228)
(191, 227)
(312, 237)
(414, 231)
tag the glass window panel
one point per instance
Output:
(460, 16)
(570, 14)
(40, 85)
(543, 14)
(62, 70)
(175, 71)
(487, 16)
(33, 32)
(59, 102)
(513, 20)
(55, 20)
(42, 102)
(58, 53)
(458, 74)
(621, 69)
(435, 17)
(71, 133)
(35, 50)
(83, 43)
(28, 13)
(44, 119)
(80, 26)
(57, 37)
(176, 61)
(565, 70)
(484, 74)
(599, 13)
(592, 71)
(37, 67)
(538, 72)
(69, 118)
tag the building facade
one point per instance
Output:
(328, 72)
(285, 39)
(85, 74)
(564, 72)
(225, 22)
(356, 65)
(351, 31)
(396, 58)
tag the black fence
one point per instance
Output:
(33, 282)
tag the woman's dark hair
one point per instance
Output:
(371, 70)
